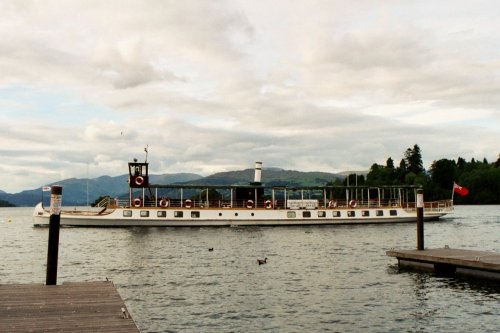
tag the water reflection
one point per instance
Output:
(325, 278)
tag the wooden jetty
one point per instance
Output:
(451, 262)
(70, 307)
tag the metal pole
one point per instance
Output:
(54, 224)
(420, 219)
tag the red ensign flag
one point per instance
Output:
(460, 189)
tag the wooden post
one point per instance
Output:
(54, 224)
(420, 219)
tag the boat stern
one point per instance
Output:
(40, 216)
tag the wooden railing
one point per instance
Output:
(441, 205)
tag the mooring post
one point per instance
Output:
(420, 219)
(54, 224)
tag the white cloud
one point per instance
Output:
(215, 86)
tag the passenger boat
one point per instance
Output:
(184, 205)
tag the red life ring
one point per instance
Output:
(137, 202)
(353, 203)
(139, 180)
(187, 203)
(332, 204)
(268, 204)
(164, 203)
(250, 204)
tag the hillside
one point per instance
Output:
(75, 190)
(270, 177)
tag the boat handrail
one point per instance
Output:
(439, 205)
(433, 206)
(105, 202)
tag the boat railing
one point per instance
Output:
(105, 202)
(432, 206)
(360, 203)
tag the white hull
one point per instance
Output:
(192, 217)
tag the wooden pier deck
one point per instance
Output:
(451, 262)
(70, 307)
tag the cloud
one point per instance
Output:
(215, 86)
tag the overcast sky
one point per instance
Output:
(214, 86)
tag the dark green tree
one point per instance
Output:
(413, 158)
(389, 164)
(401, 172)
(443, 173)
(354, 179)
(497, 163)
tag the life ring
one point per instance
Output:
(137, 202)
(268, 204)
(164, 203)
(139, 180)
(332, 204)
(353, 203)
(187, 203)
(250, 204)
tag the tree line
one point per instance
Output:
(481, 178)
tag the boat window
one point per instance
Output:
(321, 213)
(161, 213)
(195, 214)
(393, 212)
(178, 213)
(351, 213)
(336, 213)
(220, 214)
(365, 213)
(290, 215)
(144, 213)
(127, 213)
(306, 214)
(380, 213)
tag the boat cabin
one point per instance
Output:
(138, 174)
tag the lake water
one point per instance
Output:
(317, 279)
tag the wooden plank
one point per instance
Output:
(467, 262)
(71, 307)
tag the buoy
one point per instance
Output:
(139, 180)
(164, 203)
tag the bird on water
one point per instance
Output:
(262, 261)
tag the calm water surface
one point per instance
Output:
(317, 279)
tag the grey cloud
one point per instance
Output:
(212, 86)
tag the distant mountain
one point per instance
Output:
(270, 177)
(75, 190)
(359, 173)
(4, 203)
